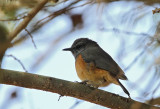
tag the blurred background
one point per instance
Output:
(127, 30)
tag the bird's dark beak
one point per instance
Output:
(67, 49)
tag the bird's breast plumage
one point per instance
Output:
(88, 71)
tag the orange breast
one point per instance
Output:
(96, 76)
(81, 68)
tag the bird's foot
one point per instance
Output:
(89, 84)
(84, 82)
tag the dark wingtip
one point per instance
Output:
(123, 77)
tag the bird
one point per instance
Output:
(94, 66)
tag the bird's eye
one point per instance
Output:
(78, 46)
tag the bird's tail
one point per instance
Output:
(124, 89)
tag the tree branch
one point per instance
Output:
(27, 19)
(67, 88)
(155, 101)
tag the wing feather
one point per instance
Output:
(101, 59)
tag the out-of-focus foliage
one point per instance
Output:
(3, 33)
(3, 39)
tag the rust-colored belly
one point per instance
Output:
(96, 76)
(81, 68)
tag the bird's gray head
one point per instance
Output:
(80, 45)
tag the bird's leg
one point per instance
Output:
(89, 84)
(84, 82)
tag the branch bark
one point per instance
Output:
(155, 101)
(67, 88)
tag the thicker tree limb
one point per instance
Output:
(155, 101)
(67, 88)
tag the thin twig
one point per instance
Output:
(14, 19)
(19, 61)
(80, 5)
(116, 30)
(31, 38)
(137, 57)
(156, 100)
(155, 90)
(75, 104)
(55, 4)
(27, 19)
(51, 16)
(48, 51)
